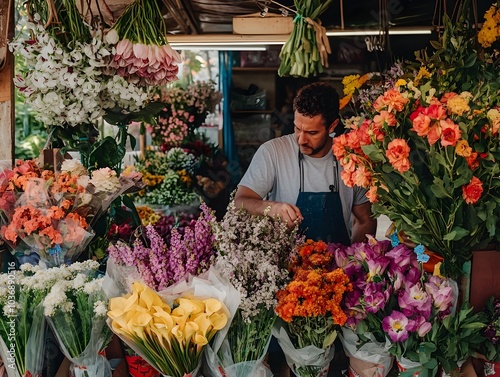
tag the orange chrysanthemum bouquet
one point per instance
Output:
(310, 309)
(47, 215)
(427, 147)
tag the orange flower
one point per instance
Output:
(372, 194)
(385, 117)
(462, 148)
(390, 100)
(397, 153)
(472, 191)
(450, 133)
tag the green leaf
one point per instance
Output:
(438, 189)
(373, 152)
(457, 233)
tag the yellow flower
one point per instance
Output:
(350, 84)
(491, 27)
(458, 105)
(400, 82)
(463, 149)
(422, 73)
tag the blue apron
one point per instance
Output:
(322, 211)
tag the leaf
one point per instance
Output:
(457, 233)
(439, 190)
(374, 153)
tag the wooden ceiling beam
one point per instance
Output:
(183, 14)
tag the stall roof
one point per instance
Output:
(215, 16)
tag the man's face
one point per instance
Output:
(312, 135)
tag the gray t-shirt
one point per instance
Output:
(274, 174)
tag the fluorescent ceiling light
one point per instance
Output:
(216, 47)
(367, 32)
(259, 42)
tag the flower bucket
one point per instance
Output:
(408, 368)
(309, 361)
(491, 368)
(370, 360)
(138, 367)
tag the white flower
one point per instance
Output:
(74, 167)
(111, 37)
(105, 180)
(100, 308)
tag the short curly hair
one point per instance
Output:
(318, 98)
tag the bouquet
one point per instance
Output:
(49, 215)
(162, 260)
(394, 300)
(75, 309)
(22, 320)
(171, 338)
(253, 252)
(427, 149)
(168, 177)
(310, 307)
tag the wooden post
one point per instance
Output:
(6, 81)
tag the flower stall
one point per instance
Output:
(95, 276)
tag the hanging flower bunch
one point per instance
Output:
(162, 262)
(49, 215)
(143, 54)
(490, 31)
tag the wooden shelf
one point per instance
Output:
(255, 69)
(247, 112)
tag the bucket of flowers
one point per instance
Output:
(309, 307)
(392, 306)
(253, 252)
(427, 147)
(48, 215)
(188, 301)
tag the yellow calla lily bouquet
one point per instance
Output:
(170, 338)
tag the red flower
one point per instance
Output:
(473, 191)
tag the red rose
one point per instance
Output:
(472, 192)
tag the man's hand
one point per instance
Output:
(287, 212)
(254, 204)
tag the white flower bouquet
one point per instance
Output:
(254, 254)
(75, 309)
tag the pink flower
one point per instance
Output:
(421, 124)
(414, 300)
(395, 326)
(450, 133)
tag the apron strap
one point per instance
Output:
(333, 188)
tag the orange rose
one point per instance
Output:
(472, 192)
(421, 124)
(450, 133)
(463, 149)
(434, 134)
(397, 153)
(362, 176)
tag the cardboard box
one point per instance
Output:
(255, 24)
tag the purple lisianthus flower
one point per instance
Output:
(375, 298)
(422, 326)
(376, 267)
(395, 325)
(414, 300)
(401, 258)
(442, 294)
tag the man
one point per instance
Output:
(299, 178)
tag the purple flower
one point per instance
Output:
(376, 267)
(401, 258)
(414, 300)
(395, 325)
(375, 297)
(442, 294)
(422, 326)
